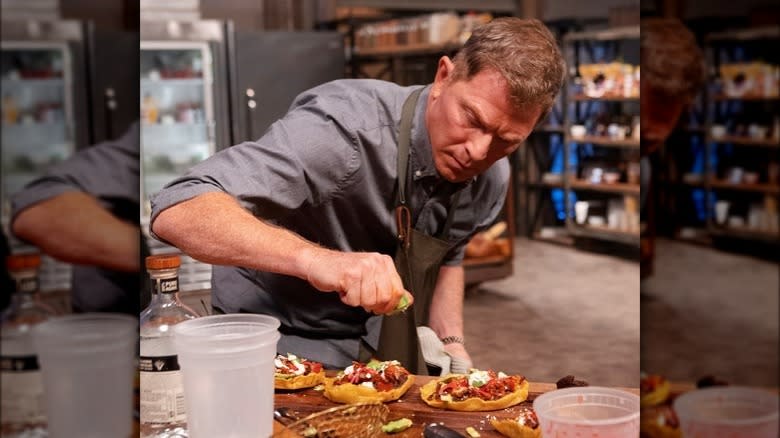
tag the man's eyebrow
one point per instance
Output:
(475, 112)
(482, 122)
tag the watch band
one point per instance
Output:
(452, 340)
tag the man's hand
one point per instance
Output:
(368, 280)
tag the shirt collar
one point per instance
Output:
(421, 160)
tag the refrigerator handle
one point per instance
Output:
(109, 100)
(251, 104)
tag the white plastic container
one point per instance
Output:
(728, 412)
(227, 367)
(588, 411)
(581, 211)
(88, 361)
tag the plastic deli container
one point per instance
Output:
(589, 411)
(733, 412)
(228, 373)
(87, 362)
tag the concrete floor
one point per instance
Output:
(564, 311)
(710, 312)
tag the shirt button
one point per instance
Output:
(417, 173)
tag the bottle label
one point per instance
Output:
(27, 284)
(159, 364)
(167, 285)
(22, 391)
(162, 391)
(19, 363)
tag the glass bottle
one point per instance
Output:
(22, 385)
(162, 394)
(10, 110)
(150, 111)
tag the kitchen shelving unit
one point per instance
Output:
(618, 151)
(752, 212)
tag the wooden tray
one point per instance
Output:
(411, 406)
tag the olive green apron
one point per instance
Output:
(417, 259)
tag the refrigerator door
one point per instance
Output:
(177, 110)
(114, 88)
(271, 68)
(44, 114)
(184, 114)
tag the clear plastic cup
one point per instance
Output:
(588, 411)
(227, 367)
(87, 362)
(733, 412)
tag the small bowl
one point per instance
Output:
(611, 177)
(750, 177)
(578, 131)
(596, 220)
(718, 131)
(757, 132)
(736, 222)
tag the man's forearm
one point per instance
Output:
(75, 228)
(446, 317)
(216, 229)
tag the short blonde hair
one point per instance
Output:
(671, 61)
(524, 52)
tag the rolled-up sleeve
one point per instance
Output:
(303, 159)
(108, 171)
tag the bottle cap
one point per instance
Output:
(21, 262)
(163, 261)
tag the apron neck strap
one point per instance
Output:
(404, 139)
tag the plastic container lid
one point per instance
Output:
(163, 261)
(226, 334)
(87, 333)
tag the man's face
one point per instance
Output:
(472, 124)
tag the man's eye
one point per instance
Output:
(472, 120)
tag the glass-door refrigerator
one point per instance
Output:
(44, 114)
(184, 114)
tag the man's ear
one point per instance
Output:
(443, 74)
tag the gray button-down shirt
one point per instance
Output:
(327, 171)
(109, 172)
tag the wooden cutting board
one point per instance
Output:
(411, 406)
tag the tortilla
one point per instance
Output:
(351, 393)
(298, 382)
(513, 429)
(474, 403)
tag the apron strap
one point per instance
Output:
(403, 217)
(404, 139)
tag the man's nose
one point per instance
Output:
(479, 146)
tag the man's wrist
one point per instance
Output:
(452, 340)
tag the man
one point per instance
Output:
(85, 211)
(673, 72)
(359, 170)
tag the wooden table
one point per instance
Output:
(411, 406)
